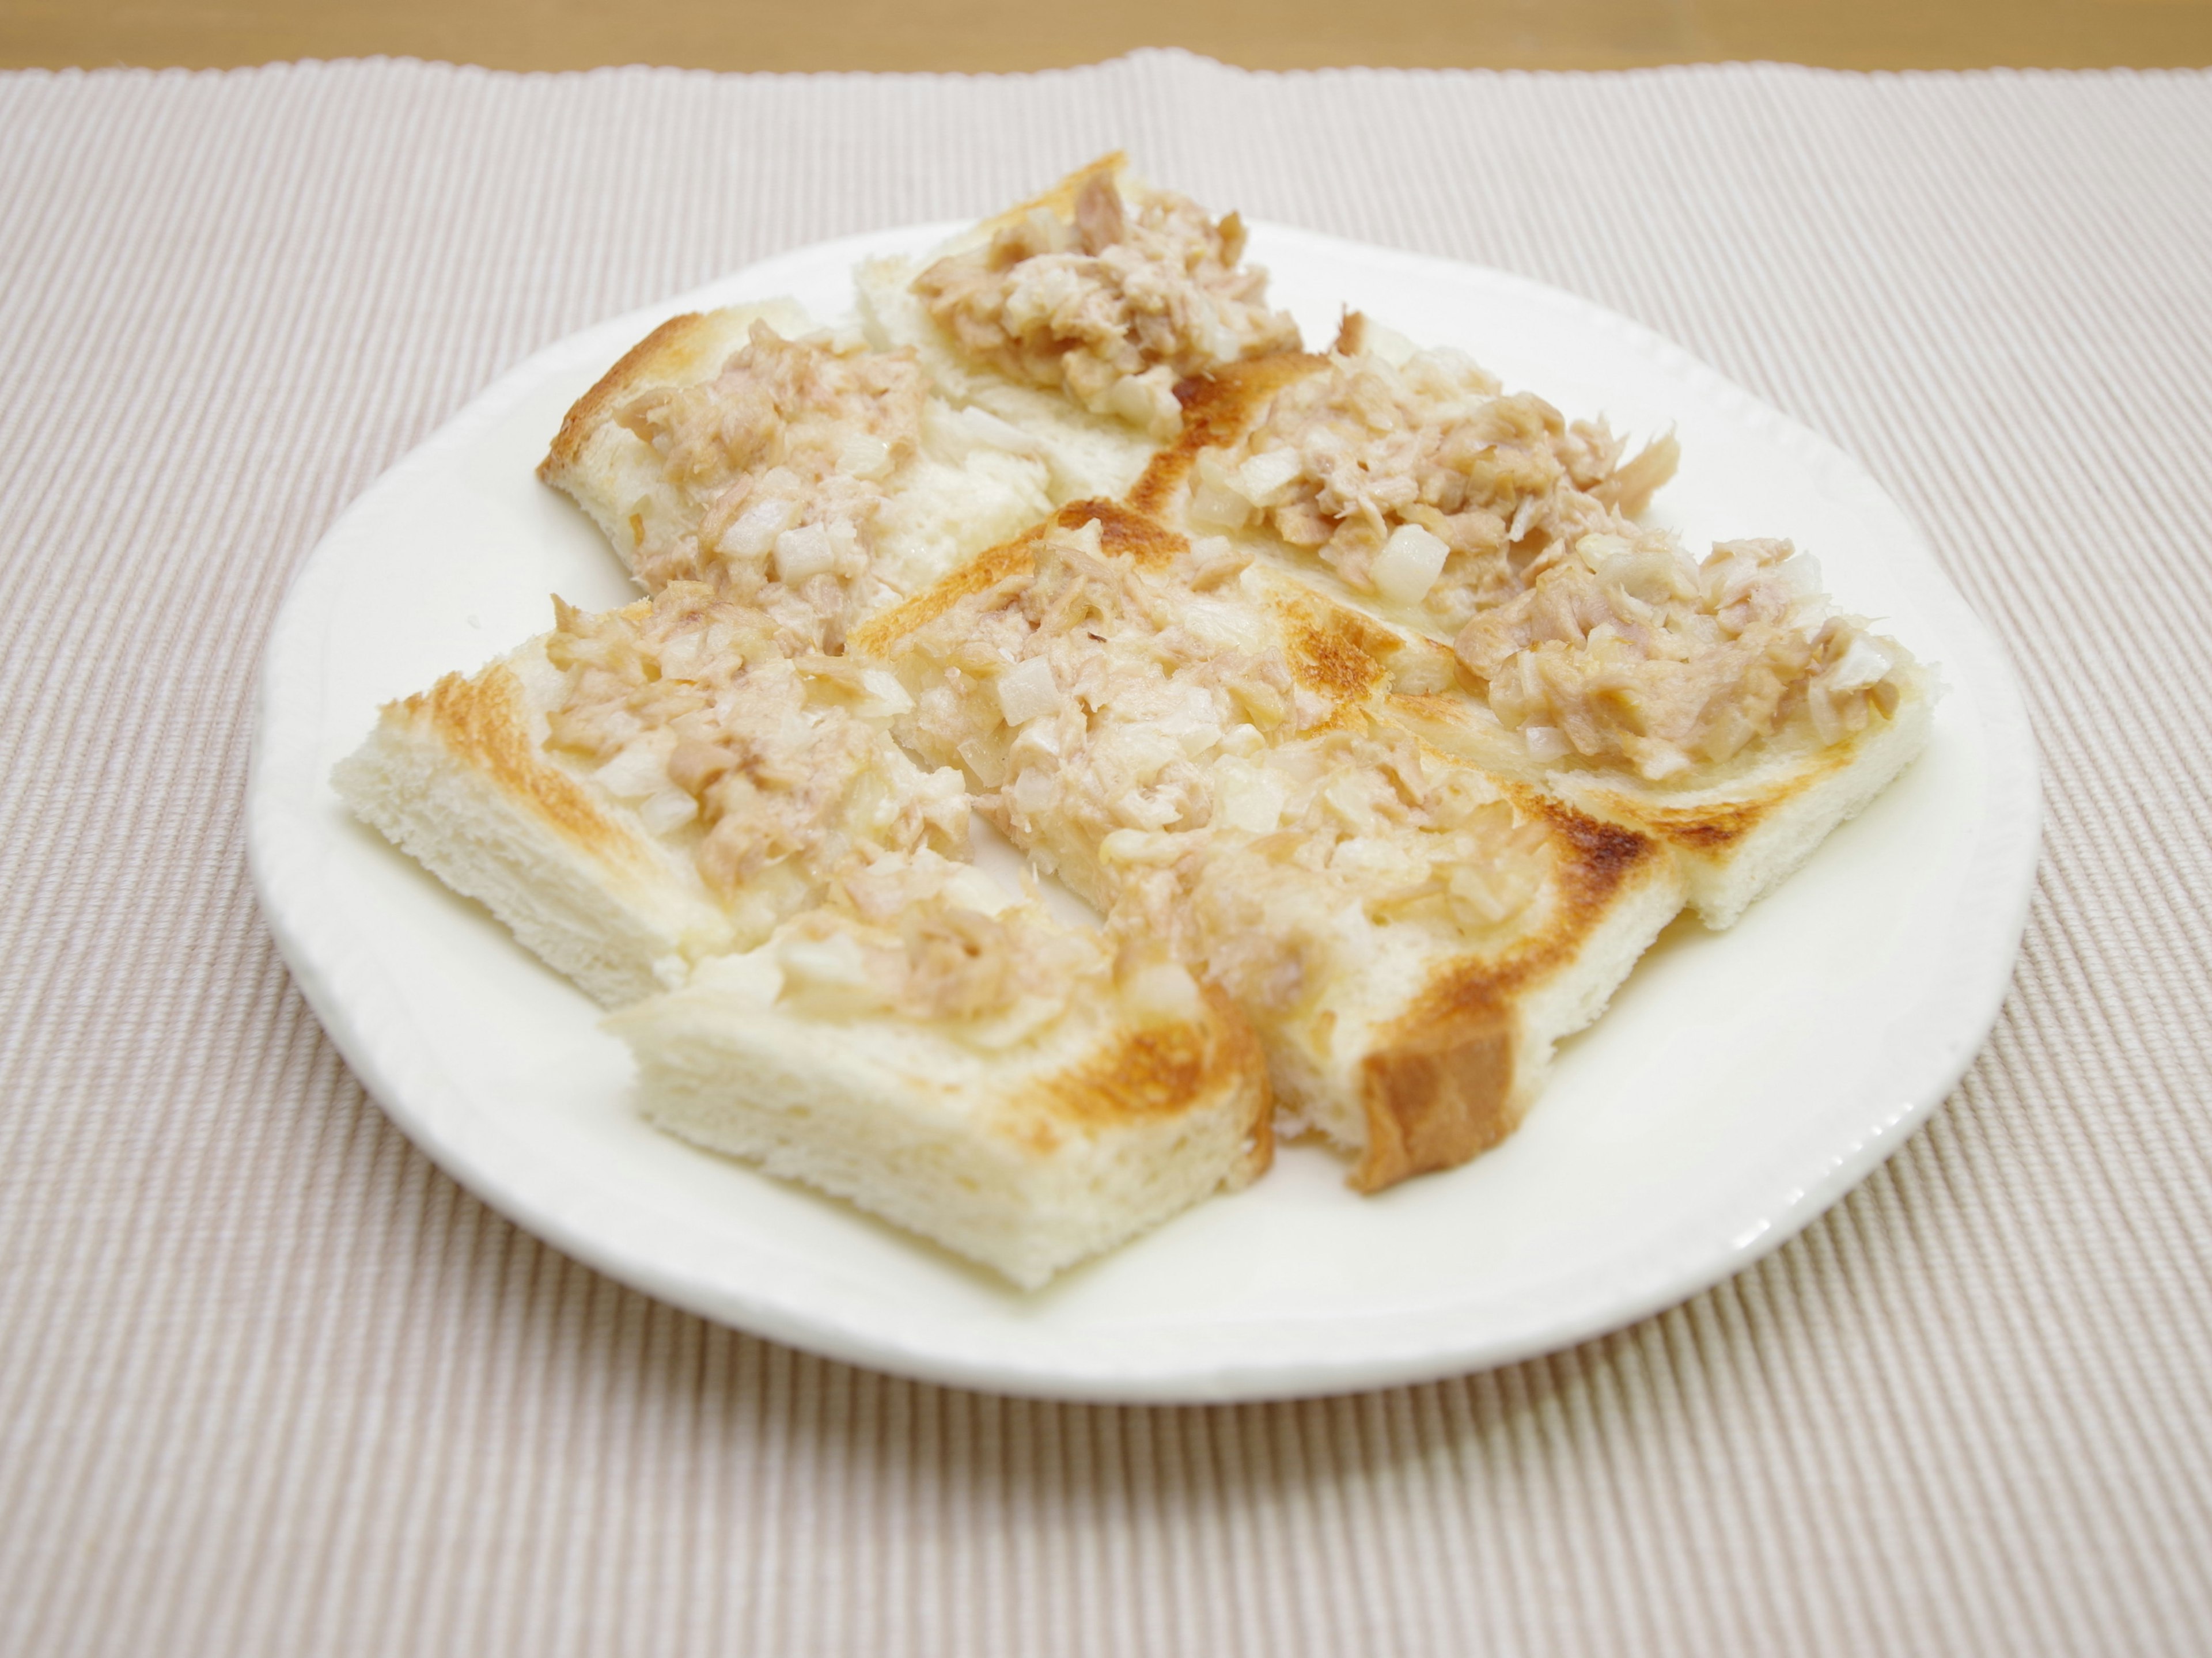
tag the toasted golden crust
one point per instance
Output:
(1441, 1086)
(1152, 545)
(1061, 199)
(1704, 822)
(1437, 1099)
(1711, 829)
(1332, 650)
(1217, 409)
(1161, 1071)
(1148, 544)
(480, 721)
(675, 350)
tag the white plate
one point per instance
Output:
(1740, 1083)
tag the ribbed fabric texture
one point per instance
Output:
(271, 1384)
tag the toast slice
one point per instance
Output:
(639, 790)
(1006, 1085)
(1409, 480)
(1206, 754)
(808, 475)
(1073, 317)
(1724, 707)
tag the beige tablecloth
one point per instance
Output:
(270, 1383)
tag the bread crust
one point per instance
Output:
(1435, 1098)
(1060, 197)
(664, 355)
(1150, 544)
(1156, 1071)
(1735, 836)
(1449, 1078)
(1217, 409)
(482, 724)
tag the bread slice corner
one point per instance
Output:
(1113, 1118)
(1088, 454)
(594, 460)
(458, 778)
(1740, 835)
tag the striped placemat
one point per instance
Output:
(271, 1384)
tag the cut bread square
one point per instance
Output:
(792, 467)
(1028, 1139)
(1073, 317)
(642, 789)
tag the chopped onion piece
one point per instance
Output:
(1249, 797)
(1803, 572)
(987, 757)
(1859, 668)
(1409, 565)
(686, 656)
(667, 809)
(1416, 671)
(1136, 845)
(1345, 794)
(803, 552)
(835, 962)
(887, 695)
(1378, 340)
(1165, 988)
(1262, 479)
(1222, 508)
(757, 528)
(639, 770)
(1034, 790)
(1547, 742)
(864, 455)
(1027, 691)
(753, 976)
(971, 889)
(1147, 400)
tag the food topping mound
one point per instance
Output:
(685, 705)
(1155, 748)
(1418, 480)
(1113, 306)
(951, 951)
(781, 461)
(1624, 650)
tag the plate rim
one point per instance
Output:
(281, 857)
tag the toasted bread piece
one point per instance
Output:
(811, 476)
(631, 794)
(1072, 316)
(1409, 478)
(1786, 718)
(1736, 831)
(1203, 753)
(1099, 1104)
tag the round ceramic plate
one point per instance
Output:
(1740, 1083)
